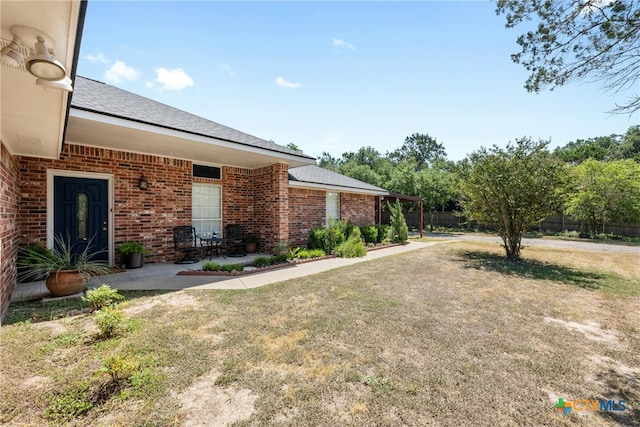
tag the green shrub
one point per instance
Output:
(399, 231)
(109, 321)
(118, 367)
(64, 407)
(316, 238)
(278, 259)
(334, 236)
(354, 232)
(383, 233)
(103, 296)
(261, 261)
(293, 253)
(310, 253)
(210, 266)
(369, 234)
(353, 247)
(232, 267)
(347, 227)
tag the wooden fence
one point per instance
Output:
(555, 223)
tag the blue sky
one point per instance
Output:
(336, 76)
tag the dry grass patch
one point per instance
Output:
(448, 335)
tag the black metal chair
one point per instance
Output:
(234, 240)
(184, 240)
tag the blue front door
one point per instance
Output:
(81, 214)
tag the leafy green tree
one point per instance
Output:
(630, 145)
(605, 192)
(511, 189)
(421, 147)
(436, 187)
(294, 147)
(603, 148)
(327, 161)
(597, 40)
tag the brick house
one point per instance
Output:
(106, 164)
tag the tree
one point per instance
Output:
(294, 147)
(423, 148)
(605, 192)
(399, 231)
(603, 148)
(511, 189)
(327, 161)
(578, 39)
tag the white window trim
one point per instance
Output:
(221, 202)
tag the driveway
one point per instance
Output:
(543, 242)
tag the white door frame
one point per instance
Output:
(52, 173)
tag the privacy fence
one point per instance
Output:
(555, 223)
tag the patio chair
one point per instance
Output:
(184, 240)
(234, 240)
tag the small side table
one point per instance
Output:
(211, 243)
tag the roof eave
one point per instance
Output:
(336, 188)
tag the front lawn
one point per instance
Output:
(448, 335)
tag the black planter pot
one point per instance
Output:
(134, 260)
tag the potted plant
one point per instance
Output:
(251, 243)
(133, 253)
(26, 261)
(66, 272)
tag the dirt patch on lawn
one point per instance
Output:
(207, 404)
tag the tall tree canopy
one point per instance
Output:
(421, 147)
(577, 39)
(511, 189)
(603, 148)
(604, 192)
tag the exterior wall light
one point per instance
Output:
(142, 183)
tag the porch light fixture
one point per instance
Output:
(64, 84)
(142, 183)
(43, 65)
(11, 53)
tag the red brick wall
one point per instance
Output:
(257, 199)
(237, 197)
(9, 192)
(271, 204)
(307, 210)
(359, 209)
(144, 215)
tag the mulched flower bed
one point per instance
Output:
(254, 270)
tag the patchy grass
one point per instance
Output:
(450, 335)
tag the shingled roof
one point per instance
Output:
(97, 97)
(314, 175)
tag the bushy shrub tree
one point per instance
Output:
(369, 234)
(399, 232)
(316, 238)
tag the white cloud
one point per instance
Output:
(99, 58)
(228, 70)
(280, 81)
(120, 71)
(175, 79)
(339, 43)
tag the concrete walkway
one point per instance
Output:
(163, 276)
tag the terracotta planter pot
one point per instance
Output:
(66, 282)
(250, 247)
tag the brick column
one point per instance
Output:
(271, 201)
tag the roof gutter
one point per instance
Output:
(74, 65)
